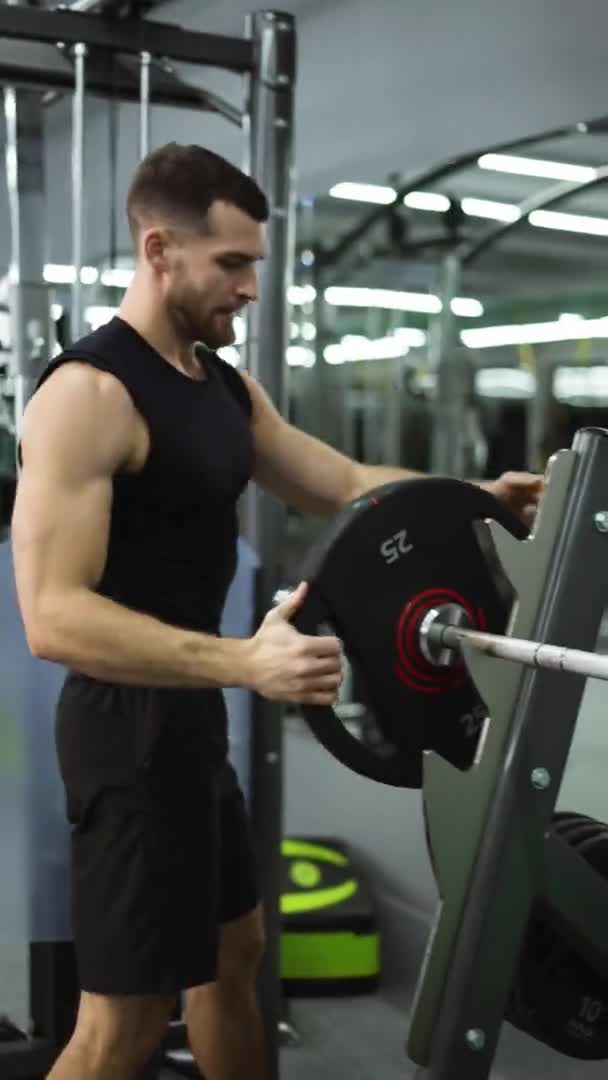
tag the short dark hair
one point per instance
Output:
(181, 183)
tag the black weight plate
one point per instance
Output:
(386, 560)
(557, 998)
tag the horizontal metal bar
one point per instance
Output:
(470, 250)
(36, 67)
(427, 177)
(126, 36)
(530, 653)
(31, 1057)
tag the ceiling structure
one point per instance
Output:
(385, 92)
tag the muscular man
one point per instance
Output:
(135, 449)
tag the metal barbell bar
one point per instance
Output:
(444, 628)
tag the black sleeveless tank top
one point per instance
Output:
(173, 535)
(172, 554)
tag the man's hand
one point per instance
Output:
(288, 666)
(521, 491)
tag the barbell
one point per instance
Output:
(444, 629)
(404, 576)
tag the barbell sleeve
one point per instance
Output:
(441, 635)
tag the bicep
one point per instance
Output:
(59, 535)
(62, 510)
(297, 467)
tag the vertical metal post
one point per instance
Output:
(451, 390)
(30, 320)
(80, 54)
(326, 425)
(269, 127)
(145, 60)
(394, 408)
(538, 414)
(305, 384)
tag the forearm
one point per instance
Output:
(103, 639)
(367, 477)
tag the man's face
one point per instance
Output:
(210, 277)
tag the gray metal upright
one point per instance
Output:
(30, 319)
(447, 362)
(78, 186)
(538, 415)
(145, 60)
(269, 128)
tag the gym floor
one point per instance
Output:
(359, 1038)
(362, 1038)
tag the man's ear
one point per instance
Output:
(155, 248)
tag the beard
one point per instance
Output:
(192, 322)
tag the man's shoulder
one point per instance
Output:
(235, 379)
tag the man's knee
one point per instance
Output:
(242, 949)
(242, 945)
(122, 1031)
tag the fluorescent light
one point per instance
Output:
(309, 331)
(59, 274)
(354, 347)
(298, 295)
(300, 356)
(487, 208)
(393, 300)
(505, 383)
(466, 307)
(98, 315)
(524, 166)
(371, 193)
(579, 223)
(239, 326)
(483, 208)
(117, 277)
(509, 212)
(5, 328)
(407, 335)
(572, 385)
(534, 333)
(389, 299)
(427, 200)
(230, 354)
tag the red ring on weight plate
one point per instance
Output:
(415, 670)
(418, 673)
(426, 676)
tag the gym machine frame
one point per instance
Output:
(266, 55)
(503, 859)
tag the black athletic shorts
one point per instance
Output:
(160, 842)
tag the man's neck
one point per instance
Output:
(147, 316)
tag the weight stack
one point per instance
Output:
(330, 943)
(557, 998)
